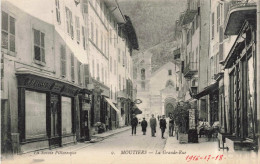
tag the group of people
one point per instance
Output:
(153, 124)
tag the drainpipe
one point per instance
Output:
(258, 73)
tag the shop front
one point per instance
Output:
(113, 114)
(46, 112)
(241, 65)
(84, 114)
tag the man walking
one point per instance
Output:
(153, 124)
(171, 125)
(144, 126)
(134, 123)
(163, 125)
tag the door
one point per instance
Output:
(85, 125)
(55, 138)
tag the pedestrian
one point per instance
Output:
(144, 126)
(134, 123)
(153, 124)
(107, 123)
(171, 125)
(163, 125)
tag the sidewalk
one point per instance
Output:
(71, 147)
(102, 136)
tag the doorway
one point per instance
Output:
(55, 123)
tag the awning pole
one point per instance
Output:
(258, 73)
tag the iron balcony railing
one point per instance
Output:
(190, 69)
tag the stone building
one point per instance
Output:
(57, 80)
(158, 90)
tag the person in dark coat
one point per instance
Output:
(144, 126)
(153, 124)
(171, 125)
(134, 123)
(163, 125)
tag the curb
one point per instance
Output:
(98, 139)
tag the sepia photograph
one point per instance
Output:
(130, 81)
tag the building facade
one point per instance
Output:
(55, 72)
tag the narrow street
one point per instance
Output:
(133, 149)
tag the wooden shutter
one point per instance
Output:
(63, 60)
(79, 73)
(86, 74)
(72, 68)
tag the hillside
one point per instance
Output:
(154, 22)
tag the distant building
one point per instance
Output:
(158, 90)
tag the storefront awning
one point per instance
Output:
(136, 109)
(112, 105)
(206, 90)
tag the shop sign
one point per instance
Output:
(192, 123)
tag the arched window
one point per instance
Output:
(169, 83)
(143, 74)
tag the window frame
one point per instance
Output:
(9, 34)
(42, 60)
(57, 5)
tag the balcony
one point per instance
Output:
(177, 53)
(239, 11)
(190, 69)
(122, 94)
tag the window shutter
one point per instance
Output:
(42, 48)
(79, 72)
(71, 25)
(63, 60)
(72, 68)
(221, 37)
(86, 74)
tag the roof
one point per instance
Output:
(237, 15)
(130, 31)
(165, 65)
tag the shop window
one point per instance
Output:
(143, 74)
(63, 61)
(39, 50)
(251, 112)
(77, 28)
(69, 21)
(66, 115)
(72, 68)
(8, 32)
(57, 4)
(35, 115)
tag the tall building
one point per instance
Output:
(158, 90)
(57, 79)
